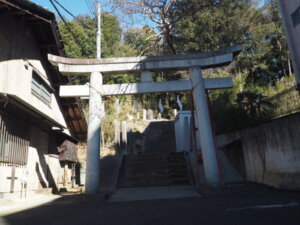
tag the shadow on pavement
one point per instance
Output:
(212, 209)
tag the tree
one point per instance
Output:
(265, 57)
(163, 13)
(213, 28)
(141, 40)
(255, 105)
(81, 42)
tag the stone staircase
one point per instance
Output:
(160, 137)
(154, 169)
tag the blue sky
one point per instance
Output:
(80, 7)
(76, 7)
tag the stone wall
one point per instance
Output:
(270, 152)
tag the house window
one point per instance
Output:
(296, 17)
(13, 149)
(39, 89)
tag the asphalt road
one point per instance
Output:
(282, 208)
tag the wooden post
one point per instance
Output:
(65, 182)
(124, 136)
(144, 114)
(194, 143)
(12, 178)
(117, 134)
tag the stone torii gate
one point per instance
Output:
(144, 65)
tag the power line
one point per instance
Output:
(90, 6)
(88, 3)
(67, 25)
(84, 25)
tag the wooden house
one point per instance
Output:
(34, 121)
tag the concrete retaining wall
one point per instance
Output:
(270, 151)
(109, 172)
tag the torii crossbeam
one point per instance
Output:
(144, 65)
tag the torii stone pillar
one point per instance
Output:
(205, 131)
(94, 134)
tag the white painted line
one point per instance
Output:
(291, 204)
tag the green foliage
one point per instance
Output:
(120, 78)
(265, 57)
(142, 40)
(254, 105)
(111, 35)
(262, 69)
(213, 28)
(81, 43)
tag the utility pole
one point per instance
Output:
(98, 30)
(95, 115)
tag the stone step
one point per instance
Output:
(155, 169)
(152, 156)
(46, 191)
(156, 181)
(155, 165)
(160, 137)
(147, 183)
(182, 172)
(135, 171)
(163, 164)
(145, 168)
(158, 155)
(155, 160)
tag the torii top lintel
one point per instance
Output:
(68, 66)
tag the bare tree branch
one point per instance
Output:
(164, 13)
